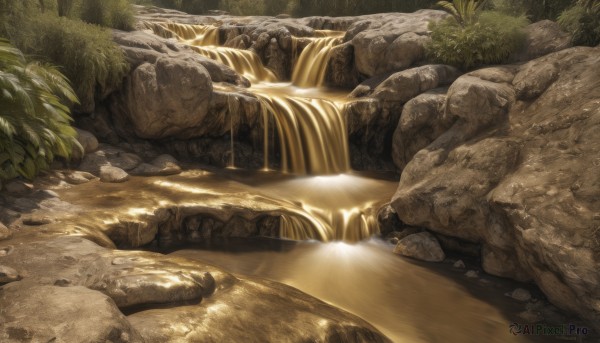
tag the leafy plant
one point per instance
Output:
(583, 22)
(87, 54)
(463, 11)
(492, 39)
(34, 121)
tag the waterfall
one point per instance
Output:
(311, 130)
(311, 66)
(312, 134)
(204, 40)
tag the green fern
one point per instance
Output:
(35, 124)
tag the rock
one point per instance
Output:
(498, 175)
(79, 177)
(164, 98)
(405, 85)
(125, 160)
(5, 251)
(479, 102)
(341, 70)
(421, 246)
(106, 157)
(543, 37)
(147, 279)
(370, 127)
(8, 274)
(472, 274)
(146, 287)
(113, 174)
(308, 319)
(91, 163)
(5, 233)
(18, 187)
(459, 265)
(39, 314)
(530, 316)
(422, 121)
(521, 294)
(142, 47)
(35, 219)
(388, 220)
(88, 141)
(163, 165)
(392, 43)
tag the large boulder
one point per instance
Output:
(405, 85)
(422, 121)
(542, 38)
(392, 43)
(164, 98)
(517, 173)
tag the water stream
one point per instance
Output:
(409, 302)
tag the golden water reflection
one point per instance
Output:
(409, 303)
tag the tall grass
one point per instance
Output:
(85, 52)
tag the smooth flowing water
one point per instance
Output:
(326, 202)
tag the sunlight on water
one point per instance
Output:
(407, 302)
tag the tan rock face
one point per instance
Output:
(166, 98)
(391, 43)
(61, 314)
(518, 171)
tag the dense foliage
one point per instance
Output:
(110, 13)
(583, 21)
(34, 122)
(489, 40)
(85, 52)
(534, 10)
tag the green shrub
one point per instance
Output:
(86, 52)
(490, 40)
(34, 122)
(109, 13)
(535, 10)
(583, 22)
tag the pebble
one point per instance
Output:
(7, 274)
(472, 274)
(459, 264)
(521, 294)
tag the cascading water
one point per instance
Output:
(312, 63)
(310, 126)
(319, 198)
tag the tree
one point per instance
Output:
(34, 122)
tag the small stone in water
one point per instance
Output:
(472, 274)
(521, 294)
(459, 264)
